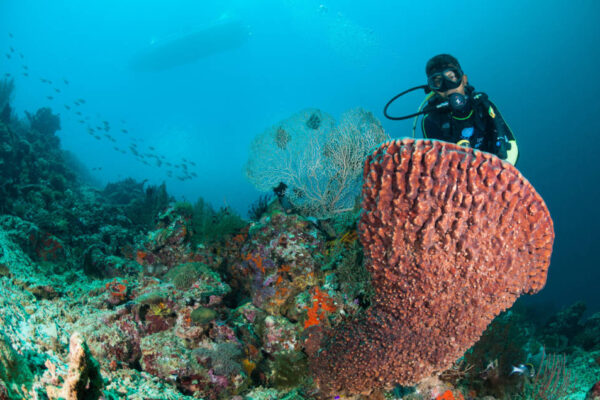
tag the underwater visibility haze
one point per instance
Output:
(183, 210)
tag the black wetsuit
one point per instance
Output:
(481, 126)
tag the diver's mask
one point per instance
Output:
(448, 79)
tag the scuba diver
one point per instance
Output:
(455, 112)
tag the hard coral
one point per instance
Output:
(278, 261)
(594, 393)
(44, 121)
(118, 291)
(83, 380)
(452, 237)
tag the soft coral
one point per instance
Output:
(448, 395)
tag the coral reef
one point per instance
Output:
(7, 88)
(122, 293)
(505, 342)
(210, 226)
(46, 123)
(141, 205)
(259, 207)
(14, 371)
(469, 234)
(83, 380)
(278, 262)
(594, 393)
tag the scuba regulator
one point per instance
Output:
(448, 79)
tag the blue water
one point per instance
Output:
(537, 60)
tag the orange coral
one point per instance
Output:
(321, 303)
(239, 238)
(448, 395)
(117, 288)
(140, 256)
(285, 268)
(50, 249)
(256, 259)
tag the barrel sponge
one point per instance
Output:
(452, 236)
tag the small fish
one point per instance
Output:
(57, 90)
(116, 148)
(8, 56)
(50, 97)
(66, 81)
(124, 131)
(99, 127)
(97, 137)
(76, 102)
(193, 163)
(79, 113)
(43, 80)
(7, 74)
(25, 67)
(151, 148)
(25, 74)
(10, 35)
(91, 130)
(82, 101)
(67, 107)
(81, 121)
(21, 55)
(194, 174)
(522, 369)
(169, 164)
(12, 50)
(122, 151)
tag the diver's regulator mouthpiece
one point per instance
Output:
(457, 102)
